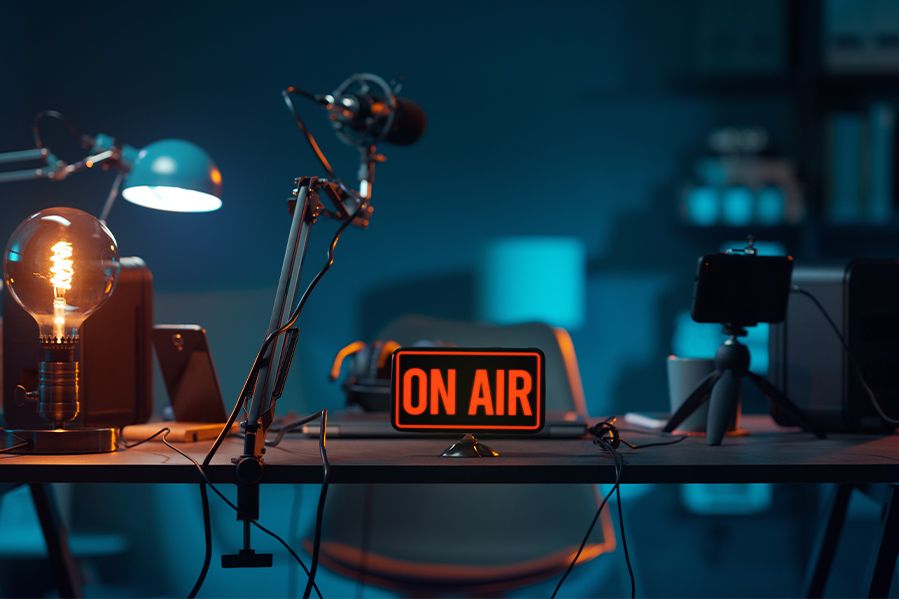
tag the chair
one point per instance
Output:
(472, 539)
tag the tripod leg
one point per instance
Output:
(696, 398)
(776, 395)
(722, 406)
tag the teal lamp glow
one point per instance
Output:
(170, 174)
(174, 175)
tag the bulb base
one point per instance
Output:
(58, 385)
(62, 441)
(59, 349)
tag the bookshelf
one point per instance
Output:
(828, 106)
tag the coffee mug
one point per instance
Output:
(683, 376)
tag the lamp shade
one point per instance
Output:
(523, 279)
(174, 175)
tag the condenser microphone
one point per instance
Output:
(365, 110)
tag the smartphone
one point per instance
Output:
(188, 372)
(742, 290)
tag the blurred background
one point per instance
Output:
(643, 132)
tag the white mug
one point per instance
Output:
(683, 376)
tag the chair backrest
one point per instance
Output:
(471, 538)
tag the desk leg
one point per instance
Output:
(65, 570)
(826, 545)
(888, 549)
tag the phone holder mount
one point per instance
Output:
(748, 250)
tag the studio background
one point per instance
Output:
(564, 118)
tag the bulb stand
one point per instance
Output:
(62, 440)
(59, 405)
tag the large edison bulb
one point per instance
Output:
(60, 265)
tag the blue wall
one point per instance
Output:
(544, 119)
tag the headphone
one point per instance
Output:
(606, 434)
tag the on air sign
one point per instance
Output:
(468, 390)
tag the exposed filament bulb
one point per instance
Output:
(62, 272)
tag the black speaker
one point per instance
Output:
(808, 361)
(115, 352)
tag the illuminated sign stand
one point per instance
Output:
(469, 390)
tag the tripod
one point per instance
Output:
(721, 388)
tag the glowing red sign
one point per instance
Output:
(468, 390)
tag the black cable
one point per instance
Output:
(161, 431)
(674, 439)
(36, 126)
(852, 360)
(310, 139)
(289, 427)
(250, 381)
(270, 338)
(627, 555)
(207, 538)
(207, 521)
(607, 436)
(221, 495)
(589, 531)
(254, 371)
(320, 510)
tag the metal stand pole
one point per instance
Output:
(285, 298)
(249, 465)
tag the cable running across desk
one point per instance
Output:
(206, 516)
(607, 436)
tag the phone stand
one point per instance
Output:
(721, 388)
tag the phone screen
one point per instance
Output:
(189, 374)
(742, 290)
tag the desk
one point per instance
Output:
(769, 454)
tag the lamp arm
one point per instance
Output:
(50, 165)
(113, 195)
(54, 168)
(25, 156)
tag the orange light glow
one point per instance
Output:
(216, 176)
(62, 272)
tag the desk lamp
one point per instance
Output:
(61, 265)
(170, 174)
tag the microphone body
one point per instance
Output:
(363, 117)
